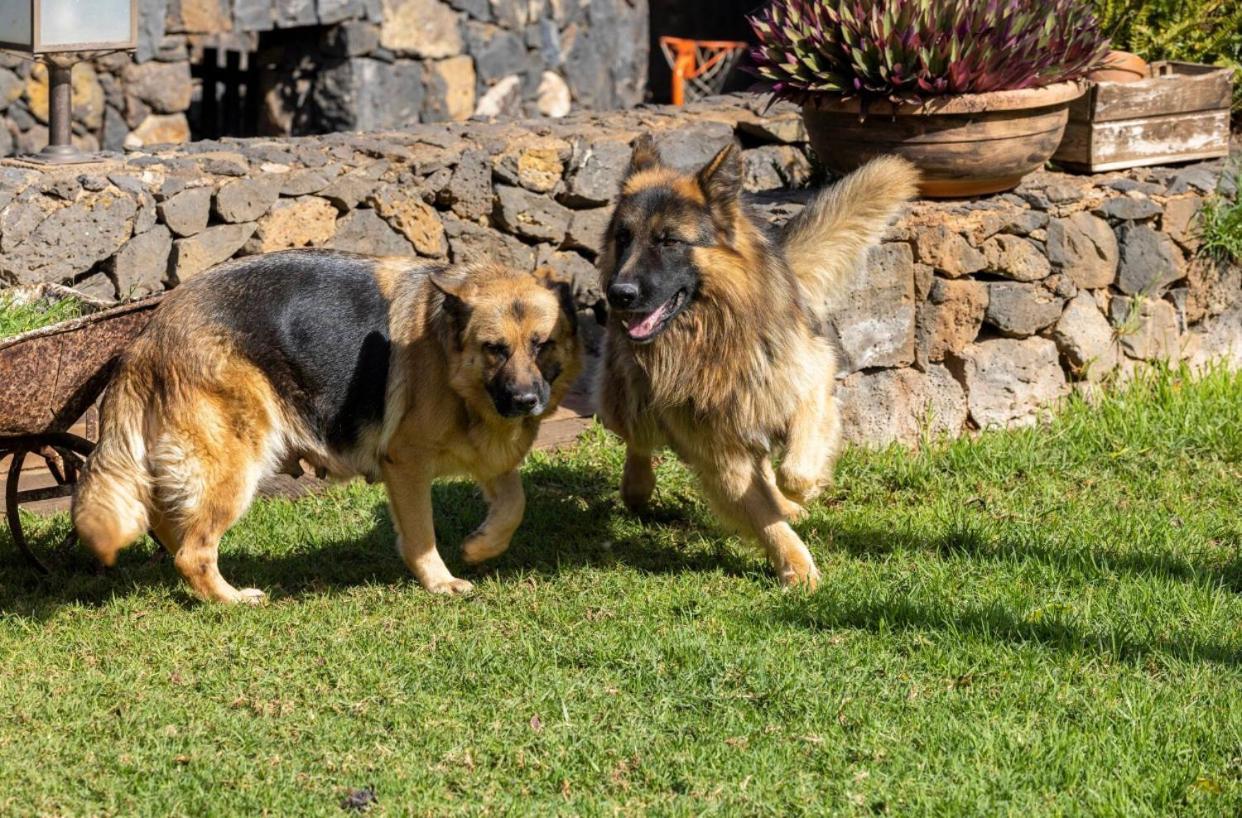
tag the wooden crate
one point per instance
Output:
(1180, 114)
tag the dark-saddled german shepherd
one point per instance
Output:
(394, 369)
(717, 343)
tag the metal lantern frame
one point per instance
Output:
(60, 59)
(37, 47)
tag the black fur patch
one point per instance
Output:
(551, 370)
(316, 324)
(458, 314)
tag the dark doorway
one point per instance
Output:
(258, 86)
(228, 104)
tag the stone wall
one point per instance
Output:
(325, 65)
(970, 314)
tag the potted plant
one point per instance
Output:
(974, 92)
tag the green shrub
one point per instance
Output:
(1222, 228)
(1203, 31)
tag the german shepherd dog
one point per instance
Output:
(393, 369)
(717, 342)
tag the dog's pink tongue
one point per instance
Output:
(642, 327)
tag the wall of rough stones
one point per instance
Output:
(970, 314)
(328, 65)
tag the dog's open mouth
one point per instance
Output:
(645, 327)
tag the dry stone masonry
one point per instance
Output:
(970, 314)
(341, 65)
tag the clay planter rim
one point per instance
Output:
(1012, 133)
(1121, 66)
(1015, 100)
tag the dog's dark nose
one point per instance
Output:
(525, 401)
(622, 294)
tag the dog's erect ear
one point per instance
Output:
(645, 157)
(562, 285)
(453, 281)
(721, 178)
(457, 288)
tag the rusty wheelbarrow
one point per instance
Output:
(48, 379)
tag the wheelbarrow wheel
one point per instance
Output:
(14, 516)
(64, 454)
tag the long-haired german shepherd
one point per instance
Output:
(394, 369)
(717, 342)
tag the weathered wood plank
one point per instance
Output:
(1177, 88)
(1148, 141)
(1180, 114)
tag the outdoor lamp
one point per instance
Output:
(58, 31)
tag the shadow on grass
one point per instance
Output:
(572, 520)
(827, 610)
(1098, 560)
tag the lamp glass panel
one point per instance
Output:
(15, 24)
(69, 22)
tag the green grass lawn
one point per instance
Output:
(1035, 623)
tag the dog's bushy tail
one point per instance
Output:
(111, 506)
(827, 242)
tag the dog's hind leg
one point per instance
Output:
(506, 503)
(206, 468)
(812, 446)
(164, 531)
(741, 493)
(193, 535)
(198, 554)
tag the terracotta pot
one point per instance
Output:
(965, 145)
(1121, 66)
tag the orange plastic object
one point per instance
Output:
(698, 62)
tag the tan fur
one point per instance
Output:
(828, 240)
(190, 427)
(456, 430)
(744, 375)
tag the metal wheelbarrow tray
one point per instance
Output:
(49, 377)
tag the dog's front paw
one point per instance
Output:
(799, 571)
(451, 586)
(635, 501)
(251, 596)
(480, 548)
(637, 483)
